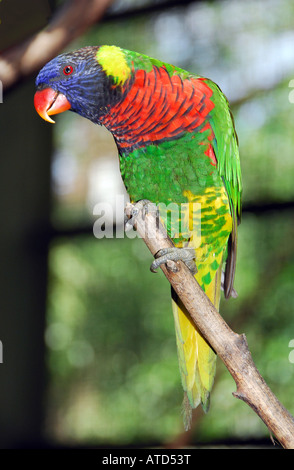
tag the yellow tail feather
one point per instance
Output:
(209, 229)
(197, 360)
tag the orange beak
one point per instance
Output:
(48, 102)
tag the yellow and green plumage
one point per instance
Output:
(177, 148)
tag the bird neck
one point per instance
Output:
(156, 106)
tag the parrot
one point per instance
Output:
(178, 147)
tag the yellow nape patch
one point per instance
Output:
(113, 61)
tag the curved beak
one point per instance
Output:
(48, 102)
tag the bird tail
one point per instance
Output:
(197, 361)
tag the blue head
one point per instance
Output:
(74, 81)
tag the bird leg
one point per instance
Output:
(174, 254)
(168, 256)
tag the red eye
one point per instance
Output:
(68, 70)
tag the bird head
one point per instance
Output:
(75, 81)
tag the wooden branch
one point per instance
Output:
(69, 22)
(232, 348)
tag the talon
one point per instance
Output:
(142, 205)
(187, 255)
(128, 223)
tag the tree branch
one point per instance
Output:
(69, 22)
(232, 348)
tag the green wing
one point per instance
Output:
(225, 145)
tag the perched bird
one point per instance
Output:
(177, 145)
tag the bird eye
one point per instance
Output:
(68, 70)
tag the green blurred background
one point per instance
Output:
(111, 364)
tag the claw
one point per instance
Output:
(143, 205)
(168, 256)
(187, 255)
(147, 207)
(128, 223)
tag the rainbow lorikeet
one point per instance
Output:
(177, 144)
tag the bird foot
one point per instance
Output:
(143, 205)
(170, 256)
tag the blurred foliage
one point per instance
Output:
(111, 345)
(112, 340)
(265, 129)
